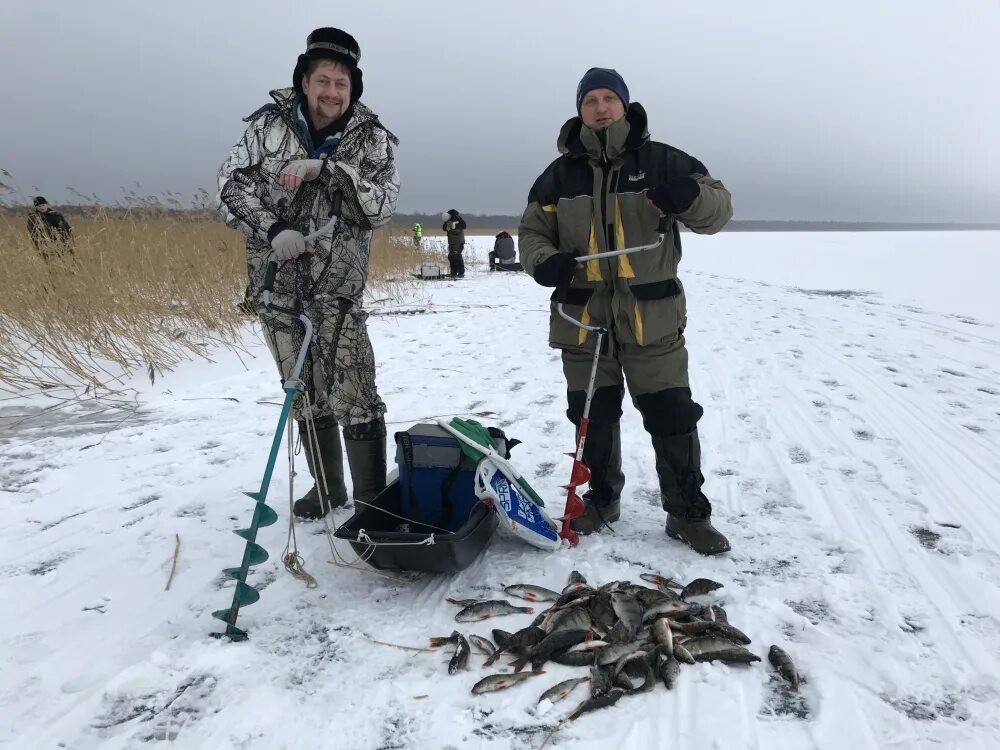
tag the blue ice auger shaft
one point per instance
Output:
(263, 514)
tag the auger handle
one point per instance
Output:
(336, 202)
(269, 274)
(662, 227)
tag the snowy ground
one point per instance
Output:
(851, 444)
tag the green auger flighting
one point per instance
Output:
(263, 514)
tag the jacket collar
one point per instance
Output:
(285, 99)
(628, 133)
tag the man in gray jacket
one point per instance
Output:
(609, 190)
(504, 252)
(312, 141)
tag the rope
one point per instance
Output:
(291, 558)
(396, 645)
(403, 518)
(338, 559)
(363, 538)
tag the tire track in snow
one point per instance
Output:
(886, 540)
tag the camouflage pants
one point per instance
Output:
(339, 370)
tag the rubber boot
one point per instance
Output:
(689, 512)
(331, 455)
(602, 453)
(365, 445)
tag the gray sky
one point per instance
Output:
(869, 110)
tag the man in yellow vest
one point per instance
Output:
(608, 191)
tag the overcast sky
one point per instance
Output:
(868, 110)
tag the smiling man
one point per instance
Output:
(278, 185)
(608, 191)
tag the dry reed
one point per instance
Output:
(143, 290)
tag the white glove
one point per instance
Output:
(288, 244)
(293, 173)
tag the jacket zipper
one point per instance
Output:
(605, 169)
(292, 124)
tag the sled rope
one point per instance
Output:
(291, 558)
(312, 445)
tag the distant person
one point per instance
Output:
(49, 230)
(504, 252)
(418, 234)
(455, 226)
(608, 190)
(308, 143)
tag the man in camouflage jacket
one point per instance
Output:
(609, 190)
(312, 141)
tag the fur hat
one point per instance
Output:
(331, 44)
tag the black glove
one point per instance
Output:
(675, 196)
(556, 270)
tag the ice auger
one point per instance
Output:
(263, 514)
(580, 473)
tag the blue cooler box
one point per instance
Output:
(436, 478)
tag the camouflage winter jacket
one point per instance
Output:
(361, 166)
(592, 199)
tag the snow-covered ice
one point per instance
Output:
(851, 445)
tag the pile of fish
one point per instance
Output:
(629, 635)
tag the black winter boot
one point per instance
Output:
(678, 466)
(365, 445)
(331, 455)
(602, 453)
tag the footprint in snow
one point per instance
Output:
(651, 496)
(799, 455)
(782, 700)
(928, 539)
(545, 469)
(814, 610)
(949, 706)
(50, 564)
